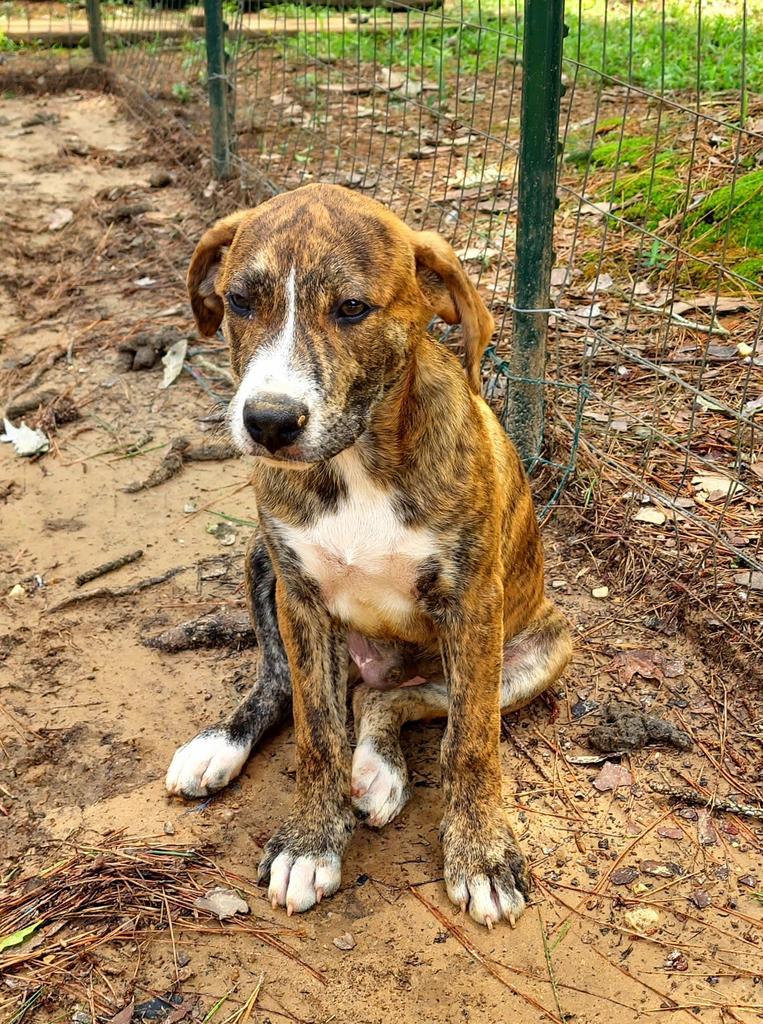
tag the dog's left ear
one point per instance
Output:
(452, 296)
(205, 265)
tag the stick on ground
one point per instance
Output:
(116, 592)
(112, 566)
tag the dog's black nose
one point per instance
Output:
(275, 422)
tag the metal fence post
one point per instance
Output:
(541, 90)
(95, 31)
(218, 88)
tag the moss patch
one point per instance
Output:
(737, 208)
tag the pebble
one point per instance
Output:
(160, 179)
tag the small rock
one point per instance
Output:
(345, 942)
(16, 592)
(748, 881)
(657, 870)
(676, 961)
(169, 828)
(624, 876)
(700, 898)
(160, 179)
(645, 920)
(584, 707)
(600, 593)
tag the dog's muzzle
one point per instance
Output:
(275, 422)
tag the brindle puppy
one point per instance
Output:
(397, 534)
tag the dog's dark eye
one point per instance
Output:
(239, 303)
(351, 311)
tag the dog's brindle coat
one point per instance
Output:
(395, 521)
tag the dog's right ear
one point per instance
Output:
(205, 266)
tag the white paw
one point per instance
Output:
(205, 764)
(379, 789)
(298, 883)
(487, 903)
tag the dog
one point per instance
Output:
(396, 537)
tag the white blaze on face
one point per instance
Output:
(274, 373)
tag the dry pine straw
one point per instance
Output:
(116, 891)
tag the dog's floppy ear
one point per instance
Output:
(205, 265)
(453, 297)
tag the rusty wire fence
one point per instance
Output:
(650, 387)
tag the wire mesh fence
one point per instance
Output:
(653, 378)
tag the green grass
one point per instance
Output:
(735, 212)
(631, 48)
(646, 50)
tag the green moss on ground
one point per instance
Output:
(731, 217)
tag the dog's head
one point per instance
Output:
(323, 293)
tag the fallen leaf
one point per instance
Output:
(591, 758)
(588, 312)
(751, 580)
(477, 253)
(602, 283)
(670, 832)
(753, 406)
(560, 276)
(624, 876)
(612, 776)
(17, 937)
(645, 663)
(25, 440)
(642, 288)
(650, 515)
(61, 217)
(172, 361)
(716, 485)
(717, 303)
(644, 920)
(221, 902)
(345, 942)
(709, 404)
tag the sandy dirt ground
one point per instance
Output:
(644, 907)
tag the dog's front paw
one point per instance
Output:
(300, 866)
(205, 764)
(485, 871)
(380, 787)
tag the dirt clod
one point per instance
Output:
(624, 727)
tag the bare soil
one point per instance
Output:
(89, 716)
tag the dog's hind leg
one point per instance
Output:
(380, 786)
(535, 658)
(216, 756)
(532, 661)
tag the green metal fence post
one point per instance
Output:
(218, 88)
(541, 91)
(95, 31)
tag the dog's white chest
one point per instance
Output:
(364, 558)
